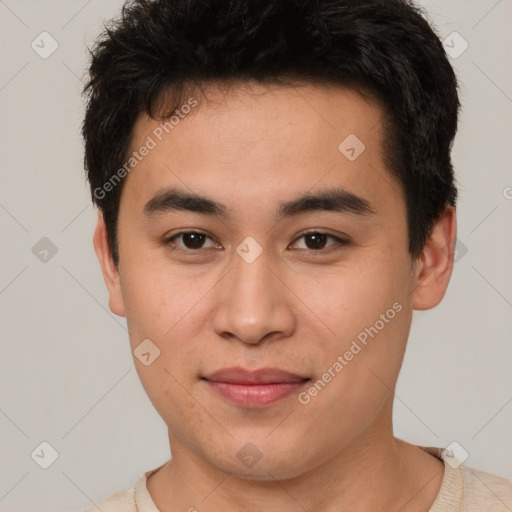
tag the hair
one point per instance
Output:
(157, 51)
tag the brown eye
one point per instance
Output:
(316, 241)
(191, 240)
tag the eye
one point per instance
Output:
(191, 240)
(317, 240)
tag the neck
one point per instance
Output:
(375, 472)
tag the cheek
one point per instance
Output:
(369, 317)
(357, 378)
(157, 298)
(160, 304)
(353, 296)
(172, 396)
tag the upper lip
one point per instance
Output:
(237, 375)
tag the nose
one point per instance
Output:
(254, 302)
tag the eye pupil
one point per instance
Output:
(318, 240)
(197, 240)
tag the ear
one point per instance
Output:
(435, 264)
(108, 268)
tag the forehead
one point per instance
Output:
(265, 142)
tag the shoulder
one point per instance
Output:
(136, 499)
(121, 500)
(485, 491)
(466, 489)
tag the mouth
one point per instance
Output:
(254, 389)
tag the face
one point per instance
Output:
(325, 292)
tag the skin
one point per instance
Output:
(289, 308)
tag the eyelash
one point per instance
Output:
(339, 241)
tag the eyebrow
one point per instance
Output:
(333, 199)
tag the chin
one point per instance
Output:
(263, 471)
(260, 460)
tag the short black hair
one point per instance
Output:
(386, 50)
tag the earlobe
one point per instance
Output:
(435, 264)
(108, 267)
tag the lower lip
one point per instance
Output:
(255, 395)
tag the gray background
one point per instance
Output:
(67, 375)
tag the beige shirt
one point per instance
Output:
(463, 490)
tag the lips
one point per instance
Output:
(252, 389)
(237, 375)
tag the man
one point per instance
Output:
(276, 197)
